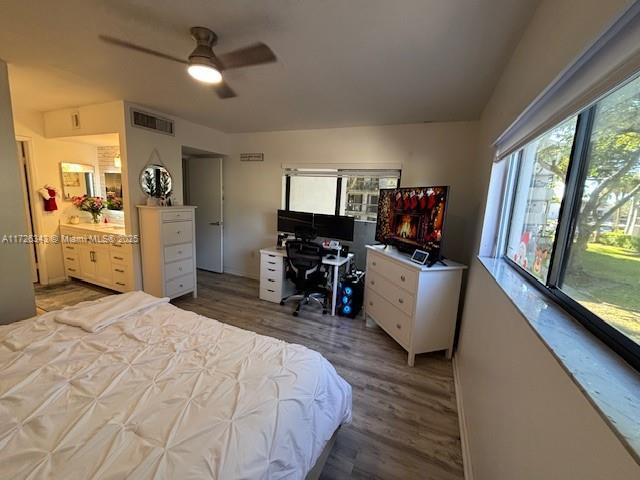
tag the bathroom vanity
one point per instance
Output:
(98, 254)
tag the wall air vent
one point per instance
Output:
(149, 121)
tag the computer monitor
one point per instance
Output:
(337, 227)
(289, 220)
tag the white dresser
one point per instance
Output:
(167, 239)
(415, 304)
(98, 254)
(274, 285)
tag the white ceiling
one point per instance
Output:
(341, 62)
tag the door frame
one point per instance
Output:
(186, 187)
(36, 219)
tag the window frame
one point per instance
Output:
(567, 220)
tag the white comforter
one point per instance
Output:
(162, 393)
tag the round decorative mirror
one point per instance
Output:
(155, 181)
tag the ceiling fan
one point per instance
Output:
(203, 64)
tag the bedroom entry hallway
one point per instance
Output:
(405, 421)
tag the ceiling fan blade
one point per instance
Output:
(255, 54)
(132, 46)
(224, 91)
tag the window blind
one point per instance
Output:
(343, 172)
(612, 59)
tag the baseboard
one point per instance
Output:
(242, 274)
(464, 433)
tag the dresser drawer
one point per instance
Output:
(177, 269)
(393, 320)
(70, 249)
(120, 257)
(177, 216)
(402, 299)
(400, 275)
(270, 294)
(177, 232)
(273, 262)
(271, 266)
(121, 278)
(178, 252)
(120, 270)
(178, 286)
(119, 247)
(70, 259)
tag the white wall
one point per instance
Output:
(45, 156)
(525, 417)
(433, 153)
(16, 291)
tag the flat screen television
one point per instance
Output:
(412, 218)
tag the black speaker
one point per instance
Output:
(351, 295)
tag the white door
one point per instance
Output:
(205, 192)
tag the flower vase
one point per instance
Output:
(95, 217)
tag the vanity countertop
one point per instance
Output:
(97, 229)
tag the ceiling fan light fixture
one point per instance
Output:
(204, 73)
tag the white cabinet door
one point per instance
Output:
(87, 265)
(103, 268)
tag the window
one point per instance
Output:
(352, 193)
(573, 217)
(540, 187)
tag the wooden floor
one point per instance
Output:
(405, 422)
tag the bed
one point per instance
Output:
(143, 389)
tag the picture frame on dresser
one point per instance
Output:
(168, 250)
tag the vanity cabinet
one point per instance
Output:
(106, 264)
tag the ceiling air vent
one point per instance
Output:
(151, 122)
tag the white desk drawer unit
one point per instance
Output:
(415, 304)
(167, 237)
(274, 285)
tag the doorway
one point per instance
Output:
(202, 178)
(23, 167)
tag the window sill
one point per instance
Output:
(608, 382)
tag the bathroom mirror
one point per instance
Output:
(155, 180)
(77, 180)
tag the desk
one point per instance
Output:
(274, 285)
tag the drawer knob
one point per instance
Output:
(120, 283)
(71, 269)
(118, 258)
(119, 270)
(400, 300)
(180, 285)
(178, 232)
(398, 326)
(402, 278)
(179, 252)
(373, 263)
(69, 258)
(373, 282)
(179, 269)
(271, 280)
(371, 304)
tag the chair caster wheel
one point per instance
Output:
(295, 314)
(324, 312)
(281, 302)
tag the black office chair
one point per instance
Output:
(304, 268)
